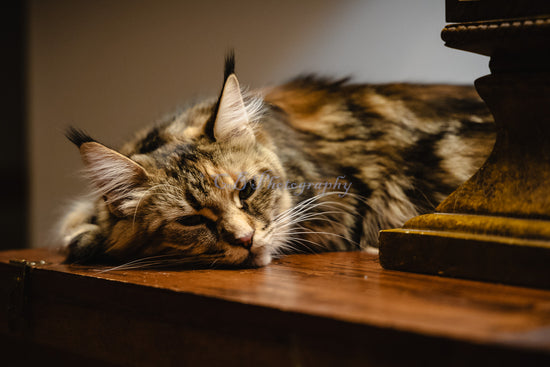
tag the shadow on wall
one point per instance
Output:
(13, 155)
(111, 67)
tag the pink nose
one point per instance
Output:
(244, 241)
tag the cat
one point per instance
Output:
(313, 165)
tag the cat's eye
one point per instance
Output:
(191, 220)
(247, 190)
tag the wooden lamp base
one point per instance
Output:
(496, 226)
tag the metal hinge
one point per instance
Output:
(18, 306)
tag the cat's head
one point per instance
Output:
(200, 189)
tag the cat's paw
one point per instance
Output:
(84, 245)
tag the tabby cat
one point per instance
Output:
(312, 165)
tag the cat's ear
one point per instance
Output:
(232, 122)
(114, 175)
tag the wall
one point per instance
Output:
(110, 67)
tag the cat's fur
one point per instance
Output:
(312, 165)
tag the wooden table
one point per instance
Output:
(335, 309)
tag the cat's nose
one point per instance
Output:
(244, 241)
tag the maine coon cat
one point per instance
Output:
(312, 165)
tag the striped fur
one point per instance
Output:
(312, 165)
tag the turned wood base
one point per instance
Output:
(496, 226)
(471, 246)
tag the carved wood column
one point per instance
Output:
(496, 226)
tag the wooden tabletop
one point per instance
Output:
(348, 289)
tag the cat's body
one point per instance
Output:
(314, 165)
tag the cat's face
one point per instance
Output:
(206, 195)
(212, 204)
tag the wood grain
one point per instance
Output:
(300, 308)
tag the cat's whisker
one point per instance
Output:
(303, 242)
(307, 209)
(293, 216)
(306, 205)
(287, 224)
(313, 214)
(302, 217)
(302, 204)
(133, 262)
(312, 232)
(163, 261)
(311, 218)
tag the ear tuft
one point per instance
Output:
(77, 136)
(229, 65)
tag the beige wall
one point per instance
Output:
(110, 67)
